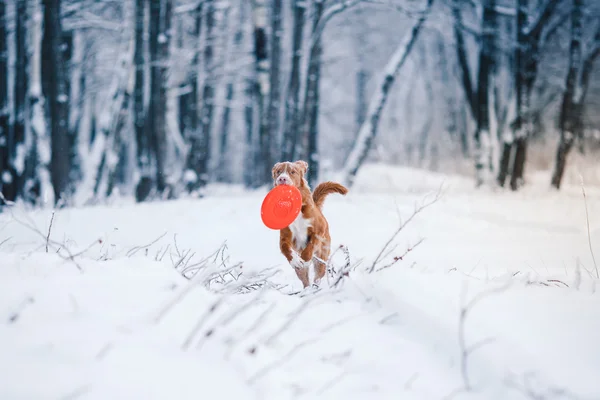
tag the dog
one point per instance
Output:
(306, 238)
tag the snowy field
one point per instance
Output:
(499, 300)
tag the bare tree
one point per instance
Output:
(576, 88)
(54, 76)
(20, 97)
(273, 106)
(224, 171)
(259, 147)
(143, 152)
(262, 64)
(6, 175)
(190, 110)
(451, 109)
(479, 96)
(208, 93)
(292, 109)
(485, 86)
(160, 22)
(529, 44)
(310, 131)
(368, 130)
(36, 177)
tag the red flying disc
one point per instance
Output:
(281, 206)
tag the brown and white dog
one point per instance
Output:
(308, 236)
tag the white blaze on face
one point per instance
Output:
(284, 178)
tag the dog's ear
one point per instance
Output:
(277, 165)
(303, 165)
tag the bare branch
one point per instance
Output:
(5, 240)
(465, 310)
(49, 231)
(534, 30)
(287, 357)
(135, 249)
(403, 225)
(188, 341)
(587, 220)
(401, 257)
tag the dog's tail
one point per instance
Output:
(324, 188)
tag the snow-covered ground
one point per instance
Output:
(103, 314)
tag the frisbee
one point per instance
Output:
(281, 206)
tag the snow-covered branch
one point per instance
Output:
(368, 130)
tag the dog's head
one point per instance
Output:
(290, 173)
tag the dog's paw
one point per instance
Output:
(297, 262)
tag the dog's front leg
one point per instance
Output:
(309, 250)
(285, 244)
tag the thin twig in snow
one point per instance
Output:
(135, 249)
(77, 393)
(292, 318)
(465, 350)
(530, 390)
(340, 322)
(287, 357)
(587, 220)
(403, 225)
(401, 257)
(201, 323)
(5, 240)
(331, 383)
(49, 231)
(14, 316)
(255, 325)
(338, 276)
(70, 257)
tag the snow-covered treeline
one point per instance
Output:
(158, 98)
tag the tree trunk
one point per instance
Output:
(7, 179)
(37, 183)
(527, 60)
(428, 115)
(155, 121)
(312, 99)
(517, 127)
(224, 171)
(249, 120)
(191, 113)
(54, 81)
(160, 73)
(249, 161)
(292, 121)
(20, 99)
(450, 111)
(464, 137)
(570, 118)
(485, 87)
(67, 43)
(507, 146)
(143, 151)
(208, 94)
(117, 148)
(463, 60)
(261, 154)
(360, 114)
(520, 131)
(274, 105)
(368, 130)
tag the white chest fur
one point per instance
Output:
(299, 230)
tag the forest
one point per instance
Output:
(158, 99)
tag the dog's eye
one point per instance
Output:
(293, 172)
